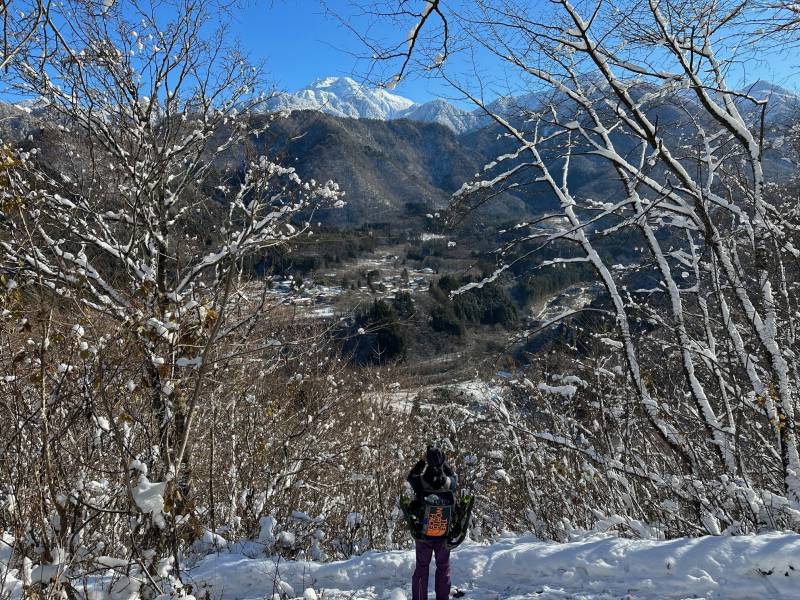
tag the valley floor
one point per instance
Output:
(762, 566)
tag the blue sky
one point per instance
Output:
(300, 43)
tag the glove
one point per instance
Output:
(418, 468)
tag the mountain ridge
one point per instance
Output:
(407, 159)
(345, 97)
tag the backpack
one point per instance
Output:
(458, 523)
(438, 514)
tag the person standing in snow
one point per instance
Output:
(434, 484)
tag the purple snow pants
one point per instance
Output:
(419, 581)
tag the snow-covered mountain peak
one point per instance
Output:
(442, 112)
(330, 82)
(782, 104)
(344, 97)
(765, 88)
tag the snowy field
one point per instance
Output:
(763, 566)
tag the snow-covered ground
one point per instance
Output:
(467, 393)
(321, 297)
(573, 298)
(763, 566)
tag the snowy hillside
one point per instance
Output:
(241, 346)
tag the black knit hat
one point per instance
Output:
(434, 477)
(434, 457)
